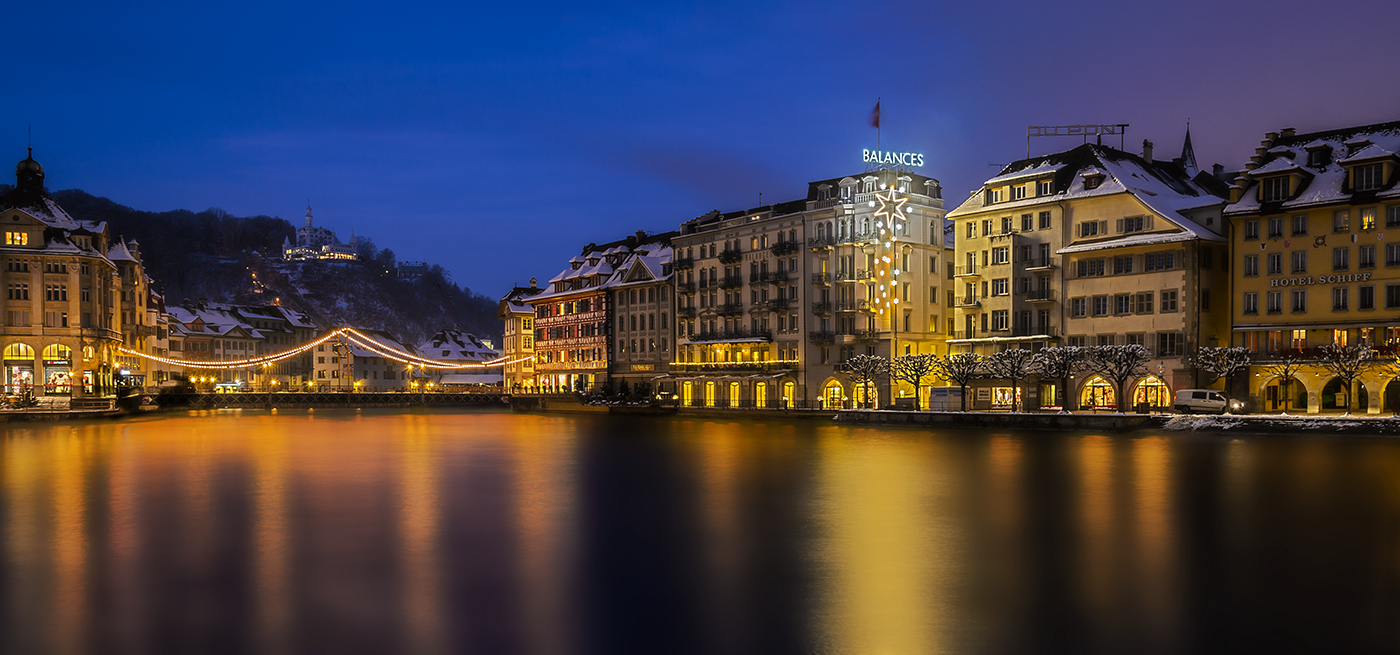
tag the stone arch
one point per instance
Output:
(1272, 393)
(1391, 396)
(1153, 391)
(20, 373)
(832, 394)
(1335, 396)
(1097, 392)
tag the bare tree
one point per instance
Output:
(1119, 364)
(1346, 363)
(865, 370)
(1221, 362)
(1285, 368)
(1060, 363)
(1012, 365)
(914, 369)
(960, 369)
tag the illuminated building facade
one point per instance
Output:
(772, 301)
(518, 338)
(318, 243)
(1092, 246)
(643, 312)
(1315, 238)
(73, 294)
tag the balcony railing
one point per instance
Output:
(682, 263)
(968, 301)
(1025, 331)
(730, 256)
(821, 279)
(821, 336)
(731, 282)
(848, 306)
(817, 243)
(735, 333)
(685, 312)
(864, 275)
(778, 304)
(1040, 264)
(1040, 295)
(867, 335)
(821, 308)
(784, 248)
(846, 276)
(967, 271)
(731, 309)
(778, 277)
(719, 367)
(685, 287)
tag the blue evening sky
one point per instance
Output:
(499, 138)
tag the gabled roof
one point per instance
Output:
(1328, 181)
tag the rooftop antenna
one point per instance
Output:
(760, 198)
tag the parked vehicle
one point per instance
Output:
(232, 387)
(1206, 401)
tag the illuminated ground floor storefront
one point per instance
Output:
(1316, 390)
(734, 391)
(46, 367)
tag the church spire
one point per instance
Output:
(308, 213)
(1188, 154)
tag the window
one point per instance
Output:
(1392, 254)
(1001, 255)
(16, 238)
(1076, 305)
(1300, 301)
(1001, 286)
(1090, 229)
(1366, 178)
(1092, 182)
(1135, 339)
(1018, 192)
(1027, 222)
(1131, 224)
(1273, 189)
(999, 319)
(1392, 296)
(1251, 230)
(1006, 225)
(1169, 344)
(1045, 216)
(1339, 299)
(1143, 305)
(1341, 221)
(1122, 303)
(1368, 218)
(1251, 265)
(1104, 339)
(1341, 259)
(987, 227)
(1122, 265)
(1366, 297)
(1300, 224)
(972, 229)
(1392, 216)
(1366, 257)
(1169, 301)
(1275, 299)
(1205, 300)
(1251, 302)
(1076, 341)
(1300, 261)
(1299, 339)
(1042, 188)
(1275, 263)
(1158, 261)
(1091, 267)
(995, 195)
(1275, 227)
(1100, 305)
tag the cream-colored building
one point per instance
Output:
(1315, 234)
(772, 301)
(518, 338)
(1092, 246)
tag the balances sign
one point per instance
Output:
(900, 158)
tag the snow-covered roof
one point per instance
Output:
(455, 345)
(1372, 151)
(1279, 165)
(1147, 239)
(1044, 168)
(119, 252)
(1328, 182)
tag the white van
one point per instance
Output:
(1191, 401)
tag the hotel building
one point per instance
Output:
(1092, 246)
(772, 301)
(643, 310)
(1315, 235)
(518, 338)
(73, 295)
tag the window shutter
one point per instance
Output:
(1120, 226)
(1147, 222)
(1078, 229)
(1103, 227)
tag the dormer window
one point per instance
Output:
(1092, 180)
(1273, 189)
(1042, 188)
(16, 238)
(1018, 192)
(996, 195)
(1319, 157)
(1366, 177)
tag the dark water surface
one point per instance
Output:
(499, 533)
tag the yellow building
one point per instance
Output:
(1092, 246)
(73, 295)
(1315, 236)
(518, 337)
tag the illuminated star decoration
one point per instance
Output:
(891, 220)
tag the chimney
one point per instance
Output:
(1288, 132)
(534, 283)
(1216, 171)
(1147, 150)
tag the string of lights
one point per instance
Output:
(349, 333)
(890, 219)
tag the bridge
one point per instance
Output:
(267, 400)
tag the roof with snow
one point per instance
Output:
(456, 346)
(1326, 177)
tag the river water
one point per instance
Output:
(492, 532)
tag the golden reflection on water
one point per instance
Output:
(419, 514)
(1156, 546)
(545, 483)
(273, 610)
(1098, 569)
(890, 542)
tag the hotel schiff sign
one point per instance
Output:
(893, 158)
(1321, 279)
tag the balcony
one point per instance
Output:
(724, 367)
(865, 276)
(732, 335)
(821, 308)
(777, 277)
(1026, 331)
(730, 256)
(1040, 264)
(821, 279)
(682, 264)
(731, 309)
(731, 282)
(847, 306)
(867, 335)
(685, 287)
(779, 304)
(820, 243)
(685, 312)
(782, 248)
(967, 301)
(967, 271)
(821, 337)
(1040, 295)
(845, 276)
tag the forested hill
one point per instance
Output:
(212, 255)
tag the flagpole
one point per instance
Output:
(878, 120)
